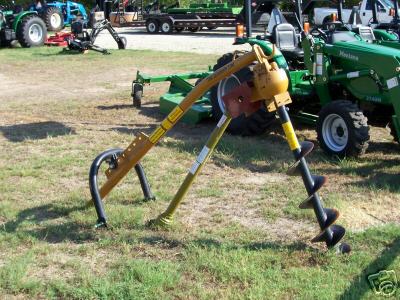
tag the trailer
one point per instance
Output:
(169, 19)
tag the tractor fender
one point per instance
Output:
(20, 17)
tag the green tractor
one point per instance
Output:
(25, 26)
(343, 81)
(339, 82)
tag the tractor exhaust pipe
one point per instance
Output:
(340, 10)
(396, 11)
(374, 10)
(298, 13)
(247, 13)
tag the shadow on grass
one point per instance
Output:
(115, 106)
(148, 111)
(215, 244)
(374, 173)
(52, 233)
(35, 131)
(63, 51)
(359, 285)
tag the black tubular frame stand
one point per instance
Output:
(110, 156)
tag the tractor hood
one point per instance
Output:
(367, 47)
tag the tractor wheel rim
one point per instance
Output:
(55, 20)
(335, 132)
(35, 33)
(152, 27)
(166, 27)
(224, 87)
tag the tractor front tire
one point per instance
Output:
(53, 18)
(342, 129)
(31, 32)
(255, 124)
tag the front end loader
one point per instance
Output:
(343, 81)
(336, 78)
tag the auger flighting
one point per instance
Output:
(268, 87)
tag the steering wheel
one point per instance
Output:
(317, 32)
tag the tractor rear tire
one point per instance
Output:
(342, 129)
(152, 26)
(53, 18)
(255, 124)
(179, 29)
(31, 32)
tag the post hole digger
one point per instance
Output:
(267, 87)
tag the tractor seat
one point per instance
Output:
(286, 40)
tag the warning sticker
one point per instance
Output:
(319, 58)
(175, 114)
(221, 121)
(194, 167)
(319, 69)
(157, 134)
(203, 154)
(391, 83)
(166, 124)
(291, 136)
(353, 74)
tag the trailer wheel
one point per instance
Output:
(256, 123)
(194, 29)
(167, 27)
(152, 26)
(342, 129)
(53, 18)
(179, 29)
(137, 93)
(31, 32)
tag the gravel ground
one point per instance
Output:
(217, 41)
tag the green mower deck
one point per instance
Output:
(178, 89)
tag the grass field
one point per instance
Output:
(238, 234)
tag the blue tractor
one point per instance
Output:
(58, 14)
